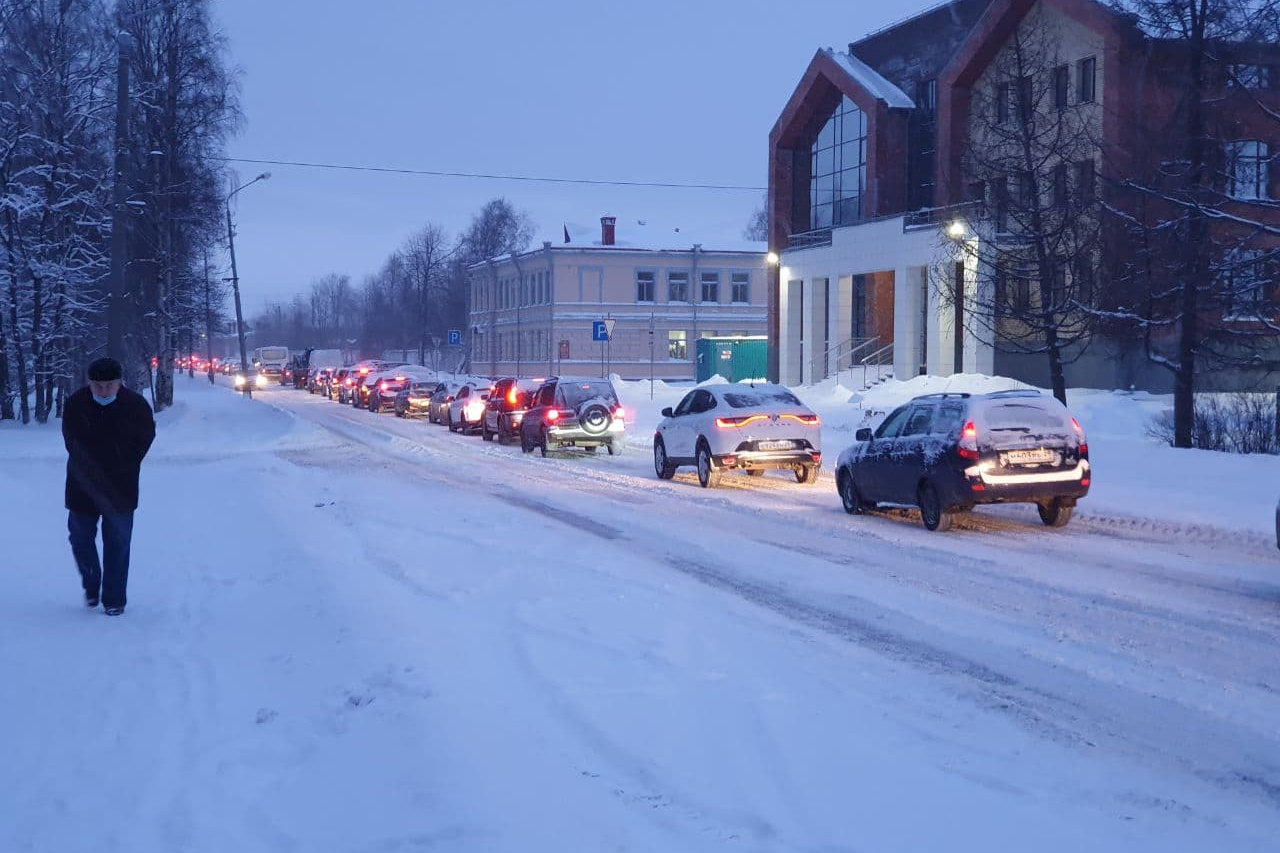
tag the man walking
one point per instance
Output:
(107, 429)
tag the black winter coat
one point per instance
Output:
(105, 448)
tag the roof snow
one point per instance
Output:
(870, 81)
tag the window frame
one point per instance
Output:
(1061, 87)
(737, 279)
(1087, 80)
(653, 286)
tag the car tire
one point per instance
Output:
(615, 447)
(1054, 514)
(484, 432)
(504, 432)
(807, 474)
(661, 464)
(543, 446)
(525, 445)
(453, 426)
(708, 474)
(933, 515)
(595, 419)
(850, 496)
(755, 472)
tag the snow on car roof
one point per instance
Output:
(760, 395)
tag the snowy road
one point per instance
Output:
(435, 642)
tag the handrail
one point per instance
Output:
(876, 360)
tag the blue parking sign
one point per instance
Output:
(455, 337)
(599, 332)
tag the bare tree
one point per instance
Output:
(1197, 224)
(1031, 159)
(757, 228)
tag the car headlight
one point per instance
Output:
(262, 380)
(239, 381)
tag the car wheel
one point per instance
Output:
(484, 432)
(807, 474)
(755, 472)
(525, 445)
(1054, 514)
(661, 465)
(399, 414)
(708, 474)
(504, 432)
(453, 426)
(849, 494)
(615, 447)
(542, 445)
(933, 514)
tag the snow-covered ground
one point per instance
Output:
(350, 632)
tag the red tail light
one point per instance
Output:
(620, 413)
(385, 386)
(513, 395)
(807, 420)
(968, 447)
(1084, 481)
(740, 421)
(1084, 444)
(553, 415)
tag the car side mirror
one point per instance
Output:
(863, 434)
(666, 411)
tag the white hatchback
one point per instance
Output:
(738, 427)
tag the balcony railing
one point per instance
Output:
(810, 239)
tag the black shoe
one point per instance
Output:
(113, 611)
(90, 598)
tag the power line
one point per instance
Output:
(439, 174)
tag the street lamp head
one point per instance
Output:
(956, 230)
(263, 176)
(771, 259)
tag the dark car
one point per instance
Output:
(508, 401)
(946, 453)
(318, 380)
(415, 398)
(569, 412)
(438, 411)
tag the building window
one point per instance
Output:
(1061, 87)
(1060, 186)
(1026, 99)
(710, 287)
(1244, 285)
(677, 346)
(858, 318)
(1086, 82)
(1082, 277)
(838, 168)
(1251, 76)
(927, 95)
(1000, 189)
(741, 287)
(1002, 103)
(1247, 172)
(677, 287)
(1026, 190)
(1086, 182)
(646, 287)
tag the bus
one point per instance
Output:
(271, 361)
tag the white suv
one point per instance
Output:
(742, 427)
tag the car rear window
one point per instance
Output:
(755, 397)
(1019, 415)
(577, 393)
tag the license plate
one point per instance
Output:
(1030, 457)
(773, 445)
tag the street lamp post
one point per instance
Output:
(774, 286)
(235, 280)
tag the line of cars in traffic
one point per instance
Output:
(941, 453)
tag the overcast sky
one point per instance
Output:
(634, 91)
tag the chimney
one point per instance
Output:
(606, 230)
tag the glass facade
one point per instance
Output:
(838, 172)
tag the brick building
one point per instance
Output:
(875, 215)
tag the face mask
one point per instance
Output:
(104, 401)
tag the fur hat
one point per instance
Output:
(105, 370)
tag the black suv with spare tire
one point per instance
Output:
(574, 412)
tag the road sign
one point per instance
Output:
(609, 323)
(564, 349)
(599, 330)
(455, 337)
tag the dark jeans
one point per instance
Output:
(112, 574)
